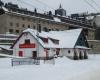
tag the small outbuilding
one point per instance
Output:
(47, 45)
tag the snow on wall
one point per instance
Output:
(65, 52)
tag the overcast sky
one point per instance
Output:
(71, 6)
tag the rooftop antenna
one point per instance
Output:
(60, 6)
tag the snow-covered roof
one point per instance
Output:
(8, 37)
(6, 47)
(57, 19)
(5, 9)
(34, 33)
(82, 47)
(67, 38)
(8, 34)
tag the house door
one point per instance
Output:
(20, 54)
(34, 54)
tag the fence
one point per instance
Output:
(24, 61)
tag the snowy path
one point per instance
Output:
(64, 69)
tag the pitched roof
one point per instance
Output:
(35, 34)
(67, 38)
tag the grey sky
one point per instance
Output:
(71, 6)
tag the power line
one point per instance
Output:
(46, 5)
(26, 3)
(90, 5)
(96, 4)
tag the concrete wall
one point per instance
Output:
(96, 20)
(95, 46)
(3, 23)
(91, 35)
(71, 52)
(67, 52)
(15, 19)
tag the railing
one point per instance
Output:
(24, 61)
(30, 61)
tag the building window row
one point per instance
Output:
(47, 29)
(12, 31)
(23, 25)
(11, 24)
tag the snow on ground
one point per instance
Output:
(63, 69)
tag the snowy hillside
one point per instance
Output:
(63, 69)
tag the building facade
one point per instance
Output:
(16, 23)
(15, 20)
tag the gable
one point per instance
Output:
(81, 41)
(24, 36)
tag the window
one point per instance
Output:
(39, 27)
(33, 26)
(28, 26)
(20, 53)
(91, 46)
(27, 41)
(34, 20)
(69, 51)
(45, 40)
(11, 30)
(23, 25)
(45, 29)
(11, 24)
(17, 24)
(23, 18)
(29, 19)
(54, 41)
(81, 38)
(49, 29)
(17, 31)
(57, 29)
